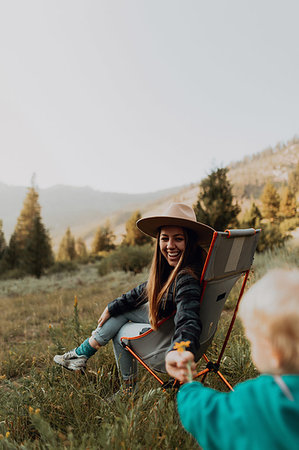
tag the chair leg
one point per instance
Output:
(144, 365)
(212, 367)
(224, 380)
(173, 383)
(204, 376)
(202, 373)
(233, 318)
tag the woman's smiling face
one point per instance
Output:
(172, 244)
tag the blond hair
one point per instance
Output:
(270, 309)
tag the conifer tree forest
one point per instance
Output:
(277, 216)
(29, 249)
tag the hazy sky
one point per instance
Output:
(136, 96)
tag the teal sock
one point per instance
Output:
(85, 349)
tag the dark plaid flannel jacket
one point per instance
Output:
(183, 298)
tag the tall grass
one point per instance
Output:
(43, 406)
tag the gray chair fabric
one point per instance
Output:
(230, 256)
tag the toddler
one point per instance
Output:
(262, 413)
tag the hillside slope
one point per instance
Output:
(84, 209)
(250, 175)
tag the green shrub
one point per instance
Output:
(62, 266)
(289, 224)
(271, 236)
(129, 259)
(13, 274)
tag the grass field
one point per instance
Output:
(43, 406)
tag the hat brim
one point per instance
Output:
(151, 226)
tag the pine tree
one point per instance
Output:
(29, 230)
(2, 240)
(133, 235)
(12, 255)
(288, 205)
(25, 223)
(215, 205)
(293, 181)
(252, 217)
(38, 252)
(270, 202)
(80, 248)
(103, 239)
(3, 251)
(67, 251)
(271, 237)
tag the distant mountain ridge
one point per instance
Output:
(84, 208)
(77, 207)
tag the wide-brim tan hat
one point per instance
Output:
(177, 214)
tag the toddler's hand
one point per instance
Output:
(177, 365)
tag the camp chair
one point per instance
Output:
(229, 258)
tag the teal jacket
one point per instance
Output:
(261, 414)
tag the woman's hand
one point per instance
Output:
(104, 317)
(177, 365)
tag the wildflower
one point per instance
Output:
(50, 326)
(7, 434)
(75, 302)
(2, 377)
(31, 410)
(181, 346)
(37, 411)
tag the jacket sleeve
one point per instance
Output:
(212, 417)
(187, 317)
(128, 301)
(236, 419)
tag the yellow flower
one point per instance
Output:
(7, 434)
(50, 326)
(75, 301)
(181, 346)
(37, 411)
(2, 377)
(31, 410)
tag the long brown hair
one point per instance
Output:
(162, 275)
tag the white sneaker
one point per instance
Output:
(70, 360)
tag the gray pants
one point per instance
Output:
(128, 324)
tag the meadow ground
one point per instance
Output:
(43, 406)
